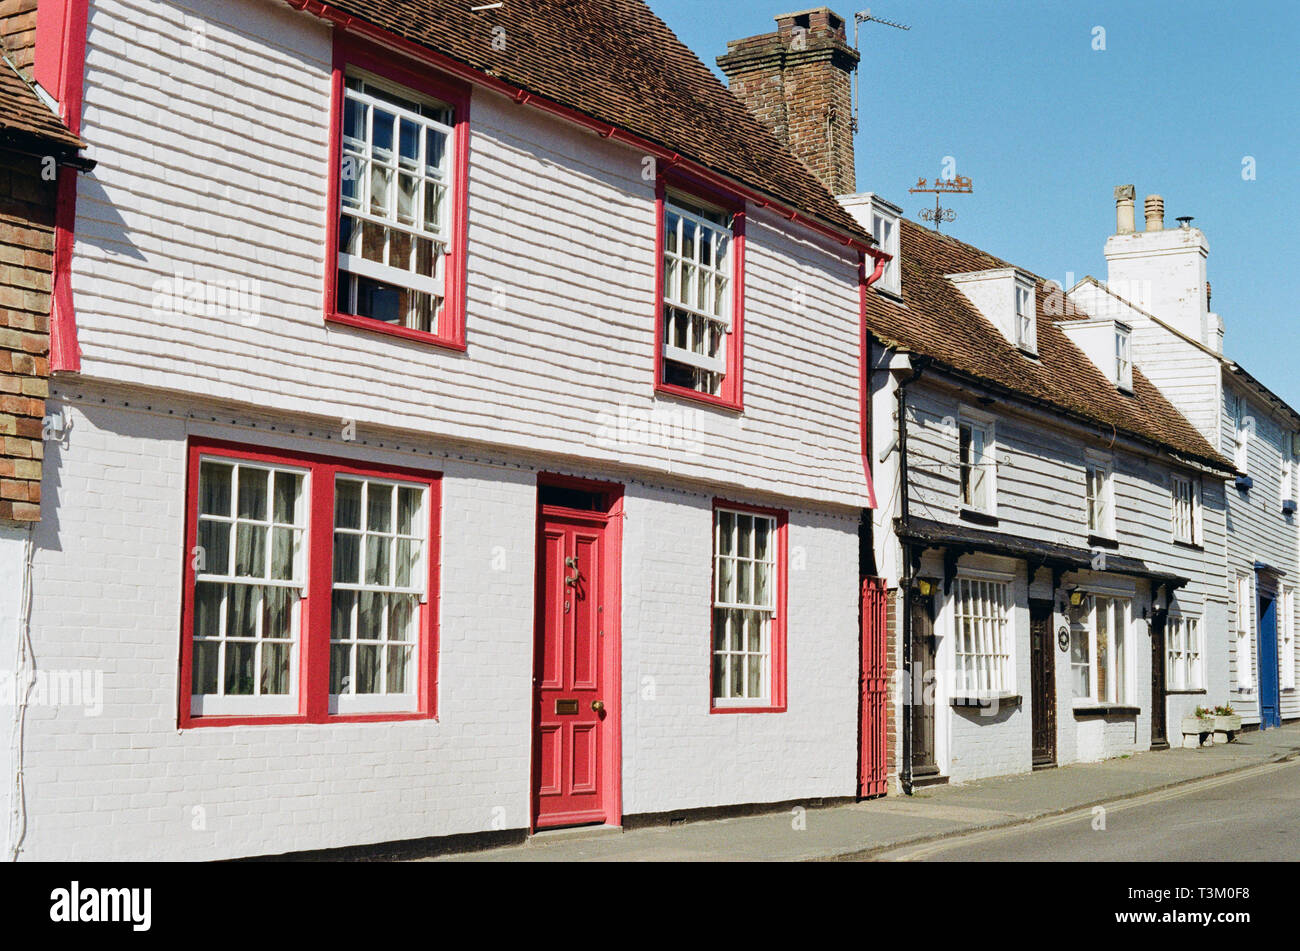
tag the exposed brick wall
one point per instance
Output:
(895, 662)
(18, 33)
(798, 82)
(26, 255)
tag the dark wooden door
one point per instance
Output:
(923, 688)
(1159, 708)
(1042, 676)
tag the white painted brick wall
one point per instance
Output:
(126, 784)
(677, 754)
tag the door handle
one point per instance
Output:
(598, 706)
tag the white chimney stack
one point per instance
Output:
(1162, 270)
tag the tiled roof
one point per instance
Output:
(1262, 391)
(938, 321)
(614, 61)
(23, 115)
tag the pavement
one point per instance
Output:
(875, 828)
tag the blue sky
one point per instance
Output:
(1046, 126)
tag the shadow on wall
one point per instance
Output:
(61, 440)
(981, 716)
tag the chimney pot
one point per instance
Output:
(1155, 213)
(1125, 221)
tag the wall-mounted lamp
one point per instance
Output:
(1076, 597)
(925, 587)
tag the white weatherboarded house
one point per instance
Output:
(1051, 525)
(1157, 285)
(440, 451)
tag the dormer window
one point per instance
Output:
(1108, 344)
(884, 228)
(881, 218)
(1007, 298)
(1123, 358)
(1026, 319)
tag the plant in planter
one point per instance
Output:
(1227, 724)
(1198, 729)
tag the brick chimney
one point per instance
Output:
(798, 82)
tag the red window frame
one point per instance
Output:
(314, 630)
(777, 648)
(352, 52)
(733, 382)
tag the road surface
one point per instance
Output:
(1249, 816)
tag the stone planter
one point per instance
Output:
(1198, 731)
(1226, 728)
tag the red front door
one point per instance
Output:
(571, 705)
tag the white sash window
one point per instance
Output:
(744, 605)
(1100, 650)
(984, 635)
(697, 294)
(249, 577)
(395, 194)
(379, 584)
(1183, 646)
(1245, 635)
(1186, 509)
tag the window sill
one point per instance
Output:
(1200, 692)
(714, 708)
(1106, 710)
(1194, 546)
(681, 392)
(1104, 541)
(404, 333)
(995, 700)
(978, 517)
(189, 723)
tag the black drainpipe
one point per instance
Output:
(905, 773)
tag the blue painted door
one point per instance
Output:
(1269, 713)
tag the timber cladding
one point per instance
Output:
(26, 255)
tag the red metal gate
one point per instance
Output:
(873, 717)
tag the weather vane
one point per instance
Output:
(957, 185)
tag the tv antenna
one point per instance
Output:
(859, 18)
(957, 185)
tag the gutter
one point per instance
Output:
(377, 34)
(865, 339)
(36, 146)
(919, 366)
